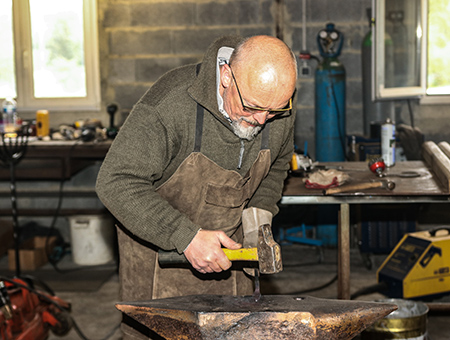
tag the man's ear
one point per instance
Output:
(225, 76)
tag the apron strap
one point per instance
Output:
(265, 137)
(198, 128)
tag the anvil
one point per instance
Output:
(215, 317)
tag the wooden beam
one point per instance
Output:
(439, 163)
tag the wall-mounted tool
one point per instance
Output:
(111, 131)
(267, 253)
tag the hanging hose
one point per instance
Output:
(10, 155)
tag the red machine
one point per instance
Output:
(29, 314)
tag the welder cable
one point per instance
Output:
(39, 283)
(40, 295)
(55, 217)
(57, 305)
(376, 288)
(315, 58)
(309, 290)
(82, 336)
(411, 116)
(305, 264)
(58, 209)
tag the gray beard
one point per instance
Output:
(248, 133)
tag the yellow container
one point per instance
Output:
(42, 123)
(408, 322)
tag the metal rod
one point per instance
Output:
(257, 293)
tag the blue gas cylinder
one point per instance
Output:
(330, 98)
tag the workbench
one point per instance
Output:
(56, 160)
(44, 165)
(423, 189)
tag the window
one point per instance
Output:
(438, 47)
(49, 54)
(411, 50)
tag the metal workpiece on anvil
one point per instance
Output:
(215, 317)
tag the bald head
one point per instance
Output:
(263, 49)
(266, 71)
(266, 68)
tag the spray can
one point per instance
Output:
(42, 124)
(388, 142)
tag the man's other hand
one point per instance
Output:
(205, 251)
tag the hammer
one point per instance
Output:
(267, 253)
(389, 185)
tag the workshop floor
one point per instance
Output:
(96, 316)
(305, 268)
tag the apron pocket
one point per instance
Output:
(226, 196)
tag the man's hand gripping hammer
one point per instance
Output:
(267, 253)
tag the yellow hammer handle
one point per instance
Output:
(243, 254)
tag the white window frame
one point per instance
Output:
(26, 101)
(379, 92)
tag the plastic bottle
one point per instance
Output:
(9, 115)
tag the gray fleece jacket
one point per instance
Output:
(159, 134)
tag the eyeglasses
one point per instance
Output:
(254, 110)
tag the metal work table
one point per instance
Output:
(51, 161)
(56, 160)
(423, 189)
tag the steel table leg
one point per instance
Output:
(344, 252)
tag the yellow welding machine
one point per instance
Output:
(418, 266)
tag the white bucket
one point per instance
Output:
(92, 239)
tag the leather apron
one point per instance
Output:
(212, 197)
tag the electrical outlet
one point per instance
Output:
(305, 71)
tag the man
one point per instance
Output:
(204, 143)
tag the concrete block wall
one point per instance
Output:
(142, 39)
(146, 38)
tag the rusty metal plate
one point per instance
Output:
(216, 317)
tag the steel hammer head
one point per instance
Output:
(389, 185)
(269, 252)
